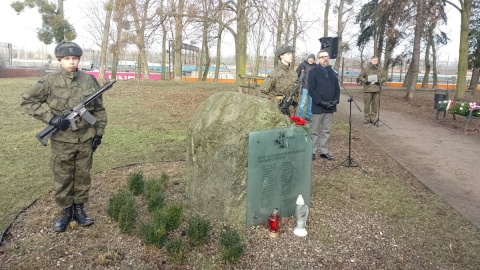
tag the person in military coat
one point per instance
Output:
(71, 151)
(282, 79)
(372, 78)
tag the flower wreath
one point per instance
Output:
(459, 108)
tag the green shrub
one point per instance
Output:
(152, 187)
(175, 250)
(198, 230)
(155, 201)
(128, 215)
(116, 202)
(136, 183)
(154, 234)
(231, 246)
(122, 208)
(175, 217)
(170, 218)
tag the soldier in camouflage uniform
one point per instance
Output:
(372, 78)
(72, 151)
(282, 79)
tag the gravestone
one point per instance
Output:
(217, 153)
(279, 169)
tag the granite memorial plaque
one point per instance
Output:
(279, 169)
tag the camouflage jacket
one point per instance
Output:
(61, 91)
(370, 70)
(280, 81)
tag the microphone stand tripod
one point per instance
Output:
(349, 162)
(378, 121)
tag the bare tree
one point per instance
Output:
(278, 36)
(436, 14)
(141, 16)
(465, 9)
(105, 37)
(119, 43)
(474, 47)
(179, 9)
(413, 68)
(219, 16)
(325, 17)
(342, 10)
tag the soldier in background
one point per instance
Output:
(372, 78)
(282, 79)
(72, 151)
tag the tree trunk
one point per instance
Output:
(325, 18)
(474, 81)
(241, 40)
(142, 64)
(164, 49)
(427, 66)
(278, 38)
(118, 45)
(219, 43)
(434, 66)
(105, 35)
(341, 6)
(205, 57)
(178, 41)
(413, 68)
(463, 50)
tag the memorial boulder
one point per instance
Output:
(217, 152)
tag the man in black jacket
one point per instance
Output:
(324, 89)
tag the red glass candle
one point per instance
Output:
(274, 223)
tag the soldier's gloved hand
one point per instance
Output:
(377, 83)
(368, 83)
(96, 141)
(59, 122)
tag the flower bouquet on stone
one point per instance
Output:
(298, 120)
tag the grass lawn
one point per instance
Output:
(383, 220)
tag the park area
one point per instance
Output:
(384, 219)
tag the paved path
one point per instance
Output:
(447, 162)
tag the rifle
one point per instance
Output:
(77, 111)
(287, 101)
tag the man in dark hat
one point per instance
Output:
(303, 69)
(372, 78)
(72, 151)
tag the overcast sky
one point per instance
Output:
(20, 30)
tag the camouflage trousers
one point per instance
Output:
(70, 164)
(371, 101)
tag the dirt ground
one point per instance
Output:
(436, 152)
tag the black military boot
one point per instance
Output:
(62, 223)
(80, 216)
